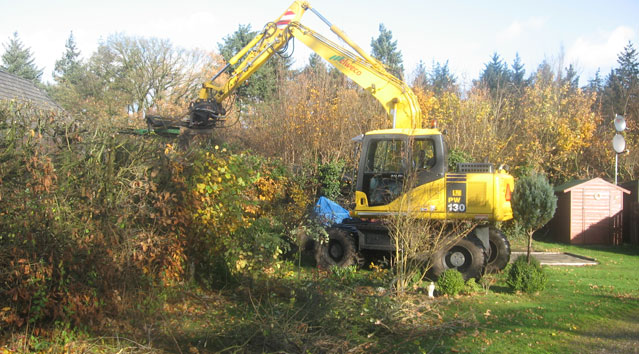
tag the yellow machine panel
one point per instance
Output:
(479, 196)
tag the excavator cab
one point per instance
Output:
(391, 159)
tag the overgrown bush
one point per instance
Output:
(451, 282)
(241, 206)
(86, 214)
(526, 277)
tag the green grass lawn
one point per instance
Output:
(302, 310)
(583, 309)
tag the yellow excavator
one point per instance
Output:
(389, 158)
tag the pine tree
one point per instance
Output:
(571, 78)
(621, 92)
(441, 79)
(595, 86)
(495, 76)
(628, 65)
(420, 76)
(384, 49)
(67, 67)
(518, 72)
(18, 60)
(628, 77)
(316, 64)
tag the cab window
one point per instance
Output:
(423, 157)
(387, 156)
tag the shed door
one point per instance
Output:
(596, 216)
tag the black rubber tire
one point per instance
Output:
(339, 251)
(468, 251)
(499, 251)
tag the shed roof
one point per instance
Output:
(568, 186)
(13, 87)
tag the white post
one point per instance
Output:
(616, 159)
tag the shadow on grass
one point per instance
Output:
(618, 334)
(625, 249)
(501, 289)
(628, 250)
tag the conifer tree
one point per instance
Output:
(67, 67)
(518, 72)
(420, 76)
(571, 77)
(534, 204)
(495, 76)
(19, 61)
(441, 79)
(384, 49)
(621, 92)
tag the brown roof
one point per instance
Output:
(567, 187)
(13, 87)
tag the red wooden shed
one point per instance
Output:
(588, 212)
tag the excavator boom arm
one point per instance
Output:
(396, 97)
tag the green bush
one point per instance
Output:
(471, 287)
(529, 278)
(329, 178)
(456, 157)
(451, 282)
(345, 275)
(514, 231)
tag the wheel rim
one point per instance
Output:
(335, 250)
(459, 258)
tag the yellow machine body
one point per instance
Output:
(427, 190)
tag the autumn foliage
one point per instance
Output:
(67, 249)
(242, 207)
(90, 217)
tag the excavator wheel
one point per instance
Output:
(340, 250)
(499, 251)
(467, 256)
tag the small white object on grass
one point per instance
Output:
(431, 289)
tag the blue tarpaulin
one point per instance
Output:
(330, 212)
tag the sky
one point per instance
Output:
(588, 34)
